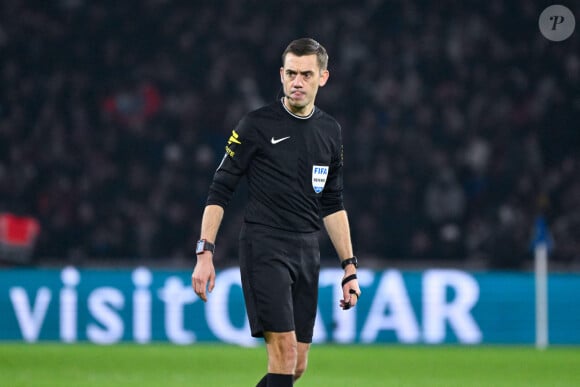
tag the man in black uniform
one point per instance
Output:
(291, 153)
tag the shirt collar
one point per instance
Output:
(297, 116)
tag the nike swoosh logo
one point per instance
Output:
(276, 141)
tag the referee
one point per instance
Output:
(291, 153)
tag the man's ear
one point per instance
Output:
(282, 75)
(324, 78)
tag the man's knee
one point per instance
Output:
(300, 369)
(302, 361)
(282, 352)
(283, 344)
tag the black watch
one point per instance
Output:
(349, 261)
(204, 245)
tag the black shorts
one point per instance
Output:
(279, 271)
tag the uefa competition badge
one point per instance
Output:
(557, 23)
(319, 175)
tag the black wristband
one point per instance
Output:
(203, 245)
(348, 279)
(349, 261)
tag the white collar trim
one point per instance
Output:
(297, 116)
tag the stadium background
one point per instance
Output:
(460, 125)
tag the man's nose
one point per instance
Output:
(298, 81)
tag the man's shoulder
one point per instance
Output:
(257, 121)
(327, 119)
(271, 110)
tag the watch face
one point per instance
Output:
(200, 246)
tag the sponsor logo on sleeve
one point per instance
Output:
(234, 139)
(319, 175)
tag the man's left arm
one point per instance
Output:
(338, 230)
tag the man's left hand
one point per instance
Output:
(350, 289)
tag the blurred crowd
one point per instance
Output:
(460, 123)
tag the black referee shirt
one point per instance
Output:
(293, 165)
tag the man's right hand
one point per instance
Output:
(203, 276)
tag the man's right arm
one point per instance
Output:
(210, 222)
(203, 276)
(239, 153)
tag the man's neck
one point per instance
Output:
(298, 113)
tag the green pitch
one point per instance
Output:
(159, 365)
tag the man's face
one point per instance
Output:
(301, 77)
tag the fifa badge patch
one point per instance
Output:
(319, 175)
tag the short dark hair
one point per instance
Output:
(307, 46)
